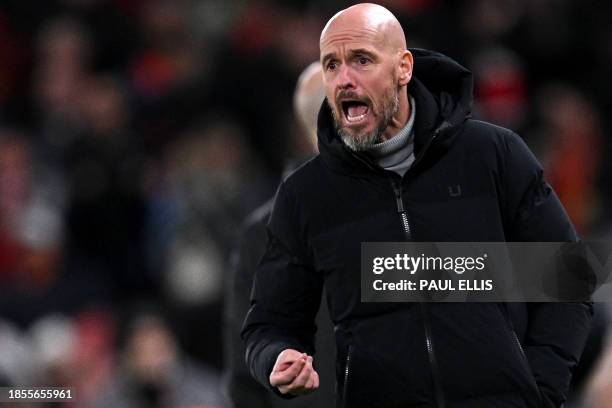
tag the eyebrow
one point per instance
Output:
(363, 51)
(357, 51)
(327, 57)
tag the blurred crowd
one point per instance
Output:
(136, 135)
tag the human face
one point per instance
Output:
(361, 81)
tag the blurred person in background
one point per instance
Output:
(60, 351)
(92, 359)
(53, 339)
(17, 363)
(572, 152)
(154, 373)
(63, 63)
(209, 181)
(263, 39)
(31, 233)
(170, 72)
(105, 215)
(598, 393)
(243, 390)
(569, 140)
(393, 149)
(500, 88)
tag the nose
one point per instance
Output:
(345, 78)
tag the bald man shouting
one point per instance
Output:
(400, 159)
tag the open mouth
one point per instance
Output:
(354, 110)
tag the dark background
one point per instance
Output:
(136, 135)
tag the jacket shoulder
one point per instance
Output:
(487, 138)
(479, 131)
(304, 178)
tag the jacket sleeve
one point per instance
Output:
(556, 332)
(286, 294)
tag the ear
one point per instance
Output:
(405, 67)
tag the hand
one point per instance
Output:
(294, 374)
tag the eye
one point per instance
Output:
(363, 60)
(331, 66)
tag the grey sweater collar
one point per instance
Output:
(397, 153)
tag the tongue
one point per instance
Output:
(357, 110)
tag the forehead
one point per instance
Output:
(362, 37)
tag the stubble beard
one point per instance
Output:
(365, 141)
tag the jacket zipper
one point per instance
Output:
(347, 370)
(435, 375)
(401, 210)
(397, 188)
(520, 346)
(525, 361)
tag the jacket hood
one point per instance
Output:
(443, 94)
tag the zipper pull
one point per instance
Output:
(398, 196)
(400, 204)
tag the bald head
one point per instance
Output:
(375, 19)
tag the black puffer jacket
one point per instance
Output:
(410, 354)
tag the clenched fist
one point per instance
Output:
(294, 374)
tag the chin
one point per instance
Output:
(358, 131)
(360, 142)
